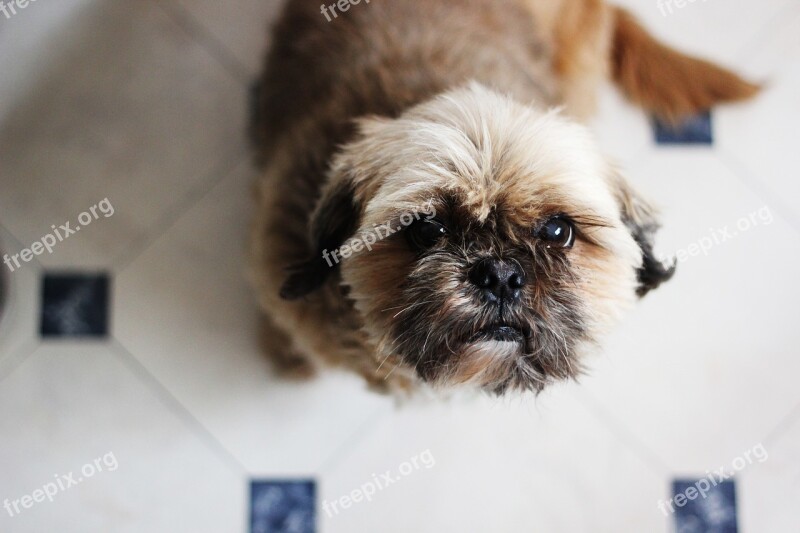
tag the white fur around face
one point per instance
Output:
(488, 147)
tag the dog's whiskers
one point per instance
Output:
(390, 372)
(412, 306)
(382, 362)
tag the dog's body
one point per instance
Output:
(392, 106)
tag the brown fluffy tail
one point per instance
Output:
(665, 81)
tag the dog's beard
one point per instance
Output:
(450, 336)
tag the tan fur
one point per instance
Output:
(580, 32)
(446, 101)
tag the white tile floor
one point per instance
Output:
(144, 103)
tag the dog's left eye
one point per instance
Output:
(559, 232)
(424, 234)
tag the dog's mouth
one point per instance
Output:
(501, 332)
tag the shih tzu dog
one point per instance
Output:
(431, 211)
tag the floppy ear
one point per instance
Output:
(640, 218)
(332, 223)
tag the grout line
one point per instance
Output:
(28, 349)
(759, 188)
(745, 53)
(172, 403)
(774, 436)
(20, 246)
(205, 38)
(170, 218)
(650, 457)
(365, 427)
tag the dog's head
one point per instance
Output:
(482, 241)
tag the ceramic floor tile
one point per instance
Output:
(283, 506)
(489, 465)
(712, 510)
(185, 309)
(761, 135)
(20, 320)
(696, 130)
(622, 130)
(675, 372)
(26, 46)
(75, 305)
(135, 111)
(769, 492)
(144, 103)
(74, 404)
(241, 28)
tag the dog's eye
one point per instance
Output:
(558, 232)
(424, 234)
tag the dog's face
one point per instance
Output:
(483, 242)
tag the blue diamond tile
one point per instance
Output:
(74, 305)
(702, 507)
(694, 130)
(282, 506)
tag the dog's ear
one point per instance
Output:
(338, 211)
(332, 223)
(640, 219)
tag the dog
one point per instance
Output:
(431, 212)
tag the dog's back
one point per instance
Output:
(383, 56)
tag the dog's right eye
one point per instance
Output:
(558, 232)
(424, 234)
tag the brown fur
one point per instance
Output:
(671, 84)
(363, 119)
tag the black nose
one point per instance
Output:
(499, 280)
